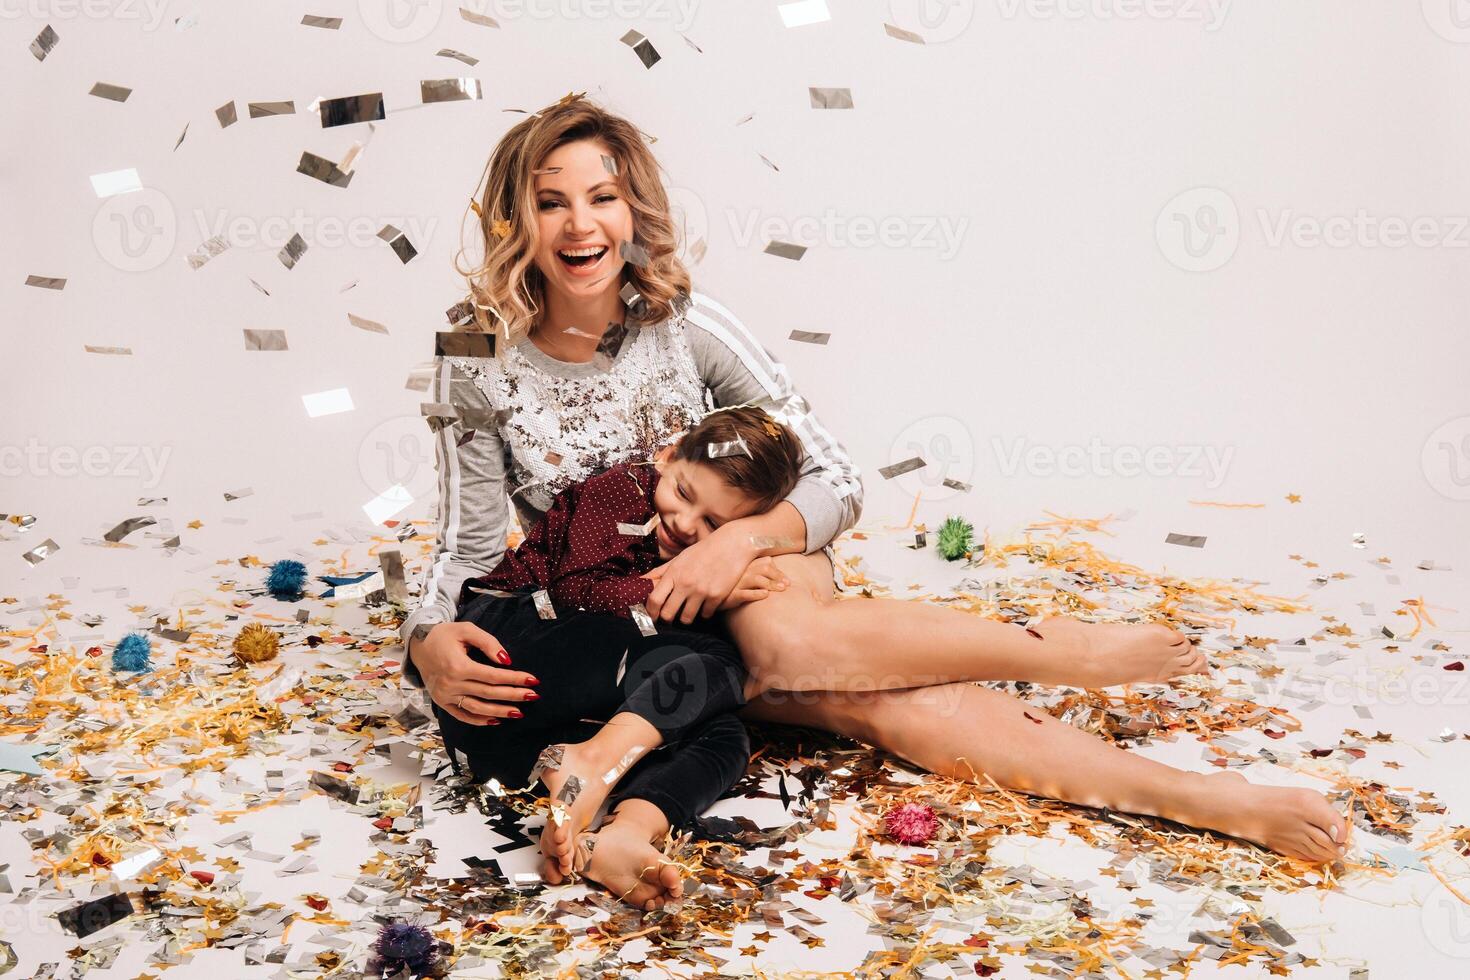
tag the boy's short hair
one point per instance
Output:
(753, 452)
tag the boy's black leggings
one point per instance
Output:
(685, 683)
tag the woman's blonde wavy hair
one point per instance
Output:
(506, 290)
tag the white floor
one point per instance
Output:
(1395, 922)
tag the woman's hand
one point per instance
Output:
(473, 692)
(761, 578)
(698, 580)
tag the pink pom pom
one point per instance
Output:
(912, 823)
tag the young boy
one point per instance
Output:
(567, 607)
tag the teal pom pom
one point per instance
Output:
(286, 579)
(131, 653)
(956, 538)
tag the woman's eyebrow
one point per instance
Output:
(595, 187)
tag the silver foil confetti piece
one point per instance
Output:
(325, 23)
(786, 250)
(902, 35)
(293, 251)
(46, 282)
(363, 323)
(226, 114)
(207, 251)
(634, 253)
(260, 110)
(395, 585)
(1187, 540)
(644, 621)
(484, 20)
(322, 169)
(128, 527)
(639, 530)
(629, 295)
(448, 90)
(767, 161)
(691, 43)
(624, 764)
(180, 141)
(570, 790)
(609, 164)
(138, 863)
(458, 343)
(117, 93)
(544, 608)
(399, 242)
(810, 337)
(959, 485)
(831, 98)
(44, 43)
(265, 339)
(458, 56)
(351, 109)
(551, 757)
(238, 494)
(107, 350)
(735, 447)
(898, 469)
(622, 667)
(1360, 539)
(642, 47)
(43, 551)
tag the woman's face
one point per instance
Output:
(582, 217)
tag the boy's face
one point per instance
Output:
(692, 499)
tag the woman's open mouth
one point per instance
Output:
(581, 260)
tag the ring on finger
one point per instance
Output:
(459, 705)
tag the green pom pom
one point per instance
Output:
(956, 538)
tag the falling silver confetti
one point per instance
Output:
(810, 337)
(959, 485)
(609, 164)
(830, 98)
(326, 23)
(260, 110)
(735, 447)
(128, 527)
(634, 253)
(458, 56)
(898, 469)
(351, 109)
(642, 47)
(107, 350)
(48, 548)
(448, 90)
(44, 43)
(116, 93)
(902, 35)
(46, 282)
(786, 250)
(399, 242)
(1187, 540)
(226, 114)
(293, 251)
(362, 323)
(644, 621)
(544, 608)
(638, 530)
(459, 343)
(265, 339)
(207, 251)
(483, 20)
(322, 169)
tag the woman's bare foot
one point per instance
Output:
(577, 787)
(1298, 823)
(625, 862)
(1104, 654)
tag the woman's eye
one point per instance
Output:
(604, 197)
(548, 205)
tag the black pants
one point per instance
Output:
(686, 683)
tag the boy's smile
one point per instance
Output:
(692, 500)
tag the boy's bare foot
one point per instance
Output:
(1298, 823)
(581, 762)
(1104, 654)
(625, 863)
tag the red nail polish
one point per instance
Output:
(514, 713)
(532, 696)
(493, 721)
(503, 657)
(532, 681)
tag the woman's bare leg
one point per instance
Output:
(969, 732)
(802, 639)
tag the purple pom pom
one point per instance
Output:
(402, 946)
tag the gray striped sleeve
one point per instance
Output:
(739, 371)
(473, 512)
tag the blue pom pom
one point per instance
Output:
(131, 653)
(286, 579)
(401, 946)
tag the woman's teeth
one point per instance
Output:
(581, 256)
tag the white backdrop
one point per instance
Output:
(1039, 285)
